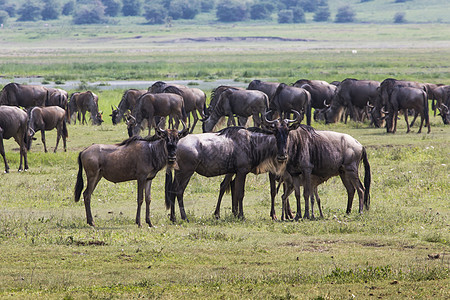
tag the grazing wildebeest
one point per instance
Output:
(325, 154)
(288, 98)
(13, 123)
(149, 106)
(233, 150)
(47, 118)
(215, 95)
(23, 95)
(128, 102)
(134, 159)
(404, 98)
(441, 94)
(243, 103)
(57, 97)
(352, 94)
(81, 103)
(269, 88)
(194, 99)
(321, 91)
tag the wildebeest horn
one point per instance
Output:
(116, 107)
(185, 128)
(325, 103)
(369, 105)
(265, 118)
(158, 127)
(297, 117)
(383, 111)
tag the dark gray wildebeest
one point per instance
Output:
(441, 95)
(45, 119)
(13, 123)
(194, 99)
(269, 88)
(57, 97)
(134, 159)
(404, 98)
(23, 95)
(149, 106)
(215, 95)
(82, 102)
(384, 94)
(233, 150)
(289, 98)
(243, 103)
(354, 95)
(321, 91)
(128, 102)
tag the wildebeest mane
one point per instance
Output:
(137, 138)
(230, 131)
(173, 90)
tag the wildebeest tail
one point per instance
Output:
(79, 185)
(168, 188)
(308, 109)
(425, 108)
(65, 132)
(367, 179)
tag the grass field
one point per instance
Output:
(399, 249)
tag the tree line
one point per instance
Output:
(164, 11)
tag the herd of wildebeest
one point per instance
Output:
(294, 154)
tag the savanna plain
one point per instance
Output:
(397, 249)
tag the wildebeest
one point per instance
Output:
(23, 95)
(149, 106)
(233, 150)
(352, 94)
(269, 88)
(325, 154)
(134, 159)
(47, 118)
(321, 91)
(215, 95)
(243, 103)
(57, 97)
(194, 99)
(82, 102)
(441, 95)
(404, 98)
(288, 98)
(13, 123)
(128, 102)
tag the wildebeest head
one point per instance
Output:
(98, 118)
(444, 112)
(280, 129)
(114, 114)
(171, 137)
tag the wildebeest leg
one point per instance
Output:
(414, 119)
(20, 140)
(195, 116)
(2, 151)
(307, 191)
(43, 140)
(239, 191)
(92, 180)
(286, 208)
(141, 184)
(273, 194)
(179, 186)
(242, 121)
(421, 123)
(84, 118)
(405, 111)
(148, 200)
(58, 136)
(318, 201)
(296, 182)
(224, 185)
(350, 191)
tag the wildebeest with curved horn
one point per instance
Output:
(325, 154)
(267, 87)
(233, 150)
(404, 98)
(288, 98)
(47, 118)
(243, 103)
(128, 102)
(82, 102)
(150, 105)
(194, 99)
(134, 159)
(321, 91)
(13, 123)
(16, 94)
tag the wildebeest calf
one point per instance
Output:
(47, 118)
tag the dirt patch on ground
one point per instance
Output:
(235, 39)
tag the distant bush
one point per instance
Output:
(132, 7)
(207, 5)
(285, 16)
(112, 7)
(68, 8)
(184, 9)
(10, 8)
(299, 15)
(90, 14)
(345, 14)
(51, 10)
(261, 10)
(231, 11)
(155, 13)
(3, 16)
(29, 11)
(399, 17)
(322, 14)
